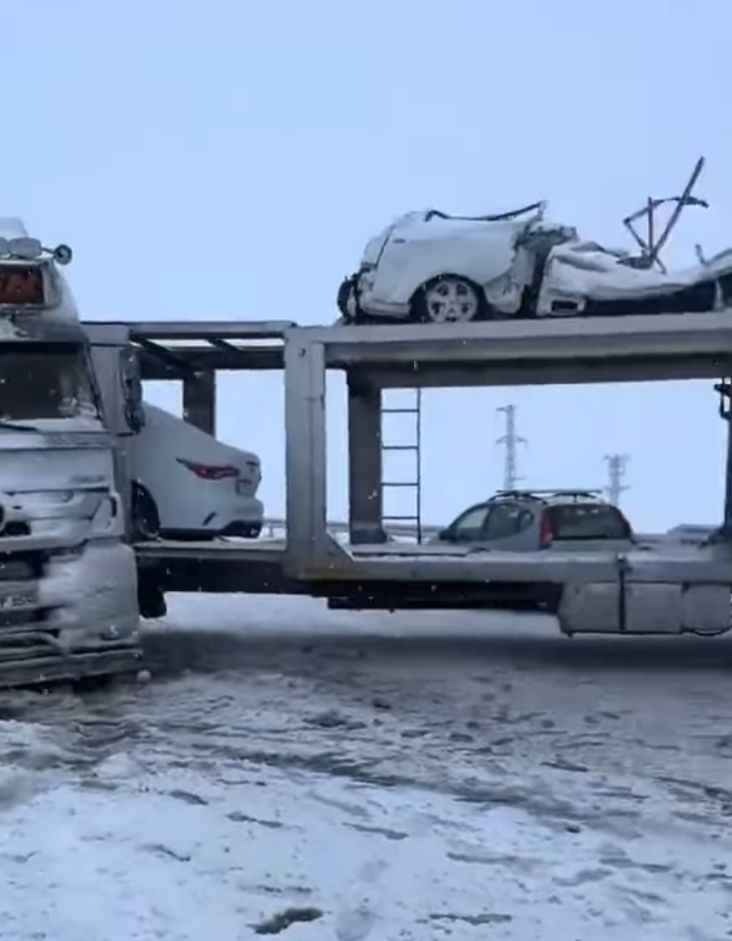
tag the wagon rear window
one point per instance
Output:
(589, 522)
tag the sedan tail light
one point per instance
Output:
(210, 471)
(546, 531)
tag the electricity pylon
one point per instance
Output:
(616, 468)
(511, 440)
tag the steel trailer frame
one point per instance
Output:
(621, 593)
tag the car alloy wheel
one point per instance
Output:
(451, 300)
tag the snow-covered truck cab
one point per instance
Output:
(68, 605)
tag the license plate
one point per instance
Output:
(17, 600)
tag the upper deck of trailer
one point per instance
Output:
(537, 351)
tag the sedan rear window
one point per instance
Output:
(579, 521)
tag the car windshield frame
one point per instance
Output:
(46, 381)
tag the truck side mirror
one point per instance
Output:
(132, 390)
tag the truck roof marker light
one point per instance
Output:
(26, 248)
(29, 249)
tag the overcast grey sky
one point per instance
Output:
(229, 160)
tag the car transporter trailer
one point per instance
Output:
(640, 592)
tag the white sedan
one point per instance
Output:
(188, 485)
(428, 266)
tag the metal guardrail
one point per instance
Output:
(275, 525)
(681, 535)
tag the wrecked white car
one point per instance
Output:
(428, 266)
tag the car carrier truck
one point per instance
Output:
(68, 590)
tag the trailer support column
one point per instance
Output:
(724, 389)
(728, 481)
(199, 400)
(364, 461)
(305, 458)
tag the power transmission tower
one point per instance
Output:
(616, 466)
(511, 440)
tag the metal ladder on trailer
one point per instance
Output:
(414, 445)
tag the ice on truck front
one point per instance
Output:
(67, 578)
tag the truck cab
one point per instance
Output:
(68, 593)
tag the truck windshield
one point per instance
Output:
(45, 382)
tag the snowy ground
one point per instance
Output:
(329, 775)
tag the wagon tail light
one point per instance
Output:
(546, 531)
(210, 471)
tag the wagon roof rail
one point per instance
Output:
(553, 492)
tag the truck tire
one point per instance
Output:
(145, 520)
(150, 597)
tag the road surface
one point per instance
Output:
(320, 775)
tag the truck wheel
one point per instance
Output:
(145, 519)
(152, 604)
(150, 596)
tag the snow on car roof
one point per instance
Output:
(512, 215)
(537, 208)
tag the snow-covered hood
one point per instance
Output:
(57, 486)
(54, 460)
